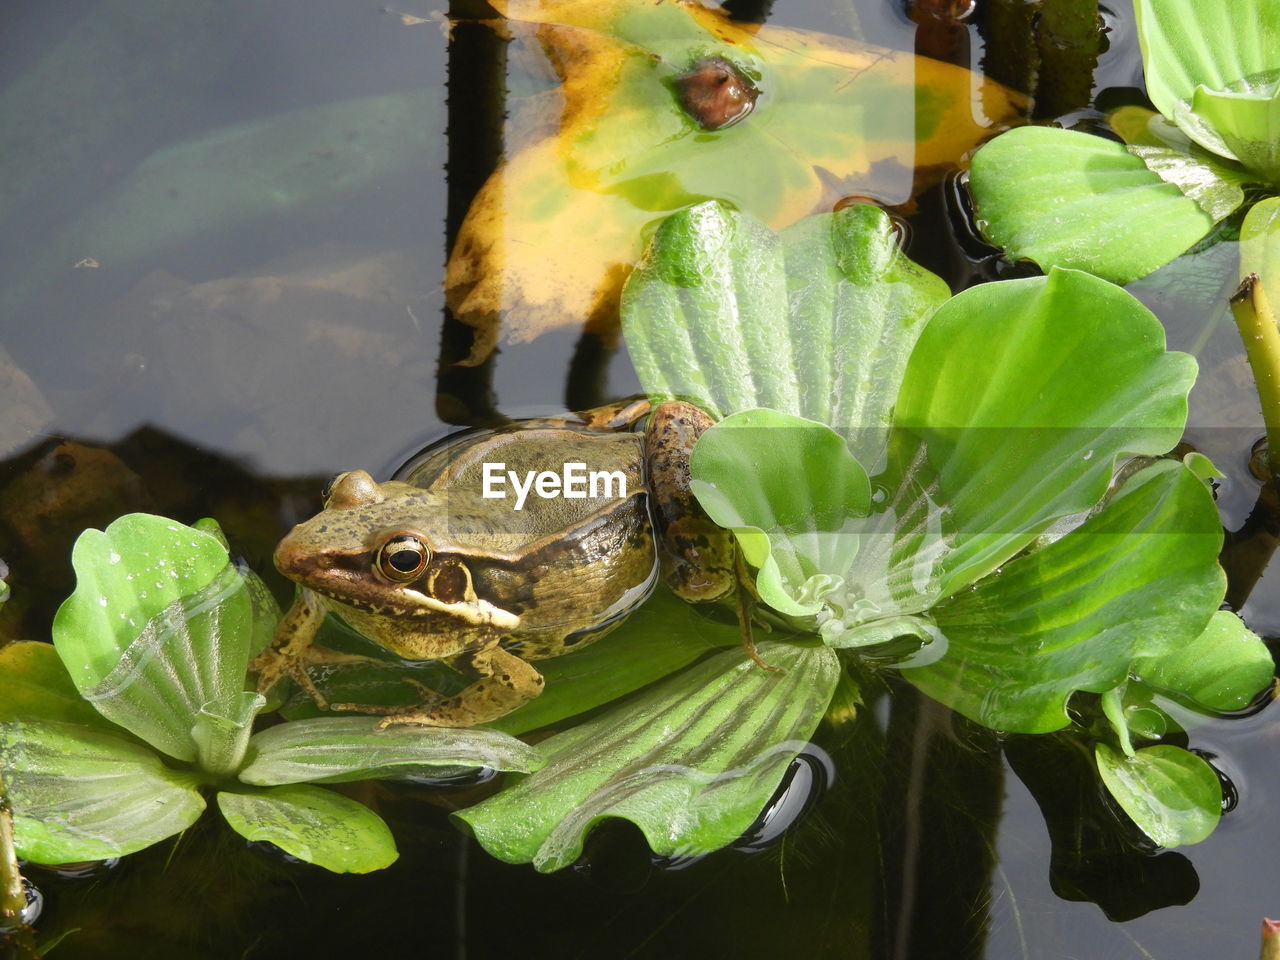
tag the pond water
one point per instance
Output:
(277, 316)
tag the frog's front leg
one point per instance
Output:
(292, 648)
(504, 683)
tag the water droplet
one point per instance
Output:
(102, 601)
(113, 557)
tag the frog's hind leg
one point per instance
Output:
(504, 683)
(697, 556)
(744, 600)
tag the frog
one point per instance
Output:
(438, 563)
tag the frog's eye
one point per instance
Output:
(402, 558)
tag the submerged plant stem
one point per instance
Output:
(13, 897)
(1257, 323)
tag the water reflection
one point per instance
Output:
(307, 342)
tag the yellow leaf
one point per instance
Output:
(552, 235)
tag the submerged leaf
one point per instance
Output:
(1138, 580)
(691, 761)
(1069, 199)
(159, 632)
(626, 152)
(1173, 796)
(663, 636)
(312, 824)
(338, 749)
(80, 793)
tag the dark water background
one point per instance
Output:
(912, 834)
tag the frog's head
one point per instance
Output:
(369, 552)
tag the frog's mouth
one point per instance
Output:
(415, 604)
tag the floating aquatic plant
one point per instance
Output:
(948, 470)
(1120, 210)
(110, 737)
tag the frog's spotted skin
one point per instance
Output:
(430, 569)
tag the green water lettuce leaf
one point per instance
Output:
(338, 749)
(788, 488)
(1247, 118)
(1016, 402)
(81, 793)
(691, 761)
(34, 686)
(1019, 399)
(1055, 196)
(1170, 793)
(158, 633)
(1187, 44)
(1222, 669)
(1137, 581)
(816, 321)
(312, 824)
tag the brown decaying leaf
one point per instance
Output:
(550, 238)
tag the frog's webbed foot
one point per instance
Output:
(505, 683)
(292, 650)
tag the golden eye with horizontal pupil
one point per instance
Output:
(402, 558)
